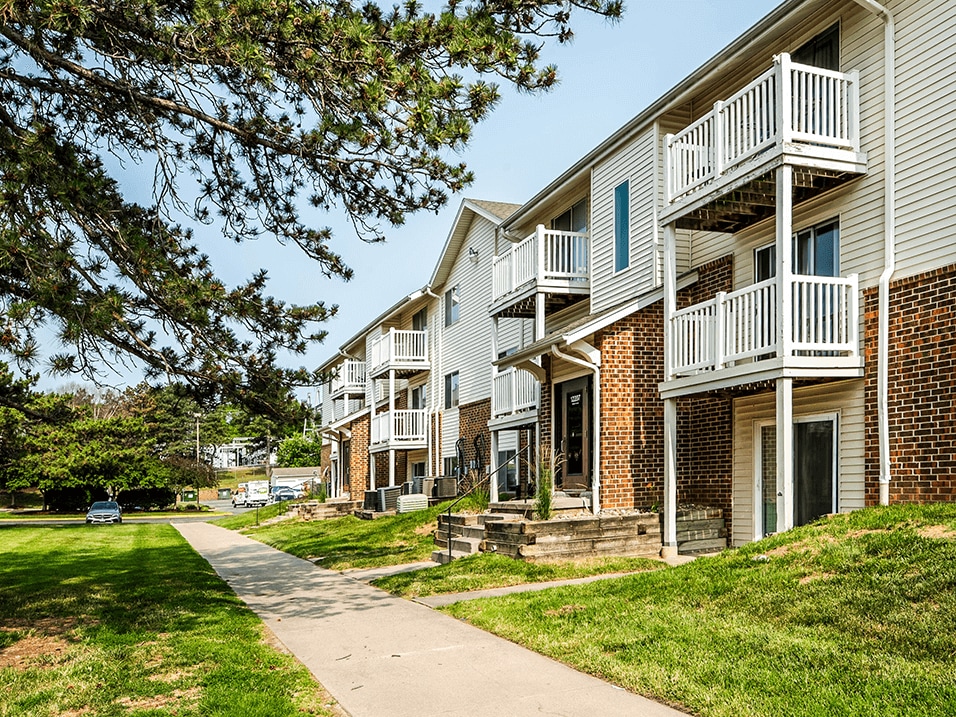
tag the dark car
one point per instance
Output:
(283, 493)
(104, 511)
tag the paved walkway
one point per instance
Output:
(382, 656)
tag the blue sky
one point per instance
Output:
(609, 73)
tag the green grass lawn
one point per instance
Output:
(347, 542)
(855, 616)
(129, 620)
(487, 570)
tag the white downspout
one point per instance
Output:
(434, 377)
(596, 369)
(889, 240)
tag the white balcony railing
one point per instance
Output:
(742, 324)
(547, 256)
(350, 378)
(789, 103)
(514, 391)
(401, 349)
(400, 427)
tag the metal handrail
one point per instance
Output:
(471, 490)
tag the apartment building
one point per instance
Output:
(409, 395)
(743, 299)
(753, 309)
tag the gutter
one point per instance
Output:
(435, 376)
(593, 365)
(889, 240)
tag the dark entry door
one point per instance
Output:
(814, 470)
(574, 435)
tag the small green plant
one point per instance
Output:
(481, 495)
(322, 493)
(544, 491)
(543, 496)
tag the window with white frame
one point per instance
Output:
(451, 390)
(452, 305)
(622, 217)
(816, 252)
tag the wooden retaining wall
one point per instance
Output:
(585, 537)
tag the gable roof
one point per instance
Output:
(470, 209)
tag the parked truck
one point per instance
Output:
(257, 493)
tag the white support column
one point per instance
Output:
(670, 295)
(669, 538)
(784, 250)
(492, 464)
(784, 454)
(391, 425)
(539, 315)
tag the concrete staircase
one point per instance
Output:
(467, 532)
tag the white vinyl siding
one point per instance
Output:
(844, 398)
(633, 163)
(926, 127)
(466, 344)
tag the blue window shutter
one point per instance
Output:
(622, 246)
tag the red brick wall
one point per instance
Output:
(705, 422)
(473, 421)
(922, 388)
(632, 413)
(359, 463)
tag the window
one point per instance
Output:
(418, 470)
(419, 397)
(452, 305)
(450, 465)
(507, 471)
(508, 352)
(622, 215)
(574, 219)
(451, 390)
(821, 51)
(816, 252)
(420, 320)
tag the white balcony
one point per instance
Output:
(809, 114)
(404, 429)
(549, 261)
(403, 351)
(349, 379)
(514, 392)
(736, 337)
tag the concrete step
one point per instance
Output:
(473, 531)
(466, 545)
(441, 556)
(694, 546)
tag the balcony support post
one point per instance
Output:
(670, 296)
(784, 97)
(493, 461)
(539, 315)
(669, 547)
(784, 251)
(720, 314)
(539, 270)
(718, 139)
(784, 454)
(391, 419)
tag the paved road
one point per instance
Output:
(379, 655)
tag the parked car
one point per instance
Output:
(282, 493)
(104, 511)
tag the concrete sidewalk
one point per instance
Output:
(382, 656)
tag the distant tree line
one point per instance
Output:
(137, 446)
